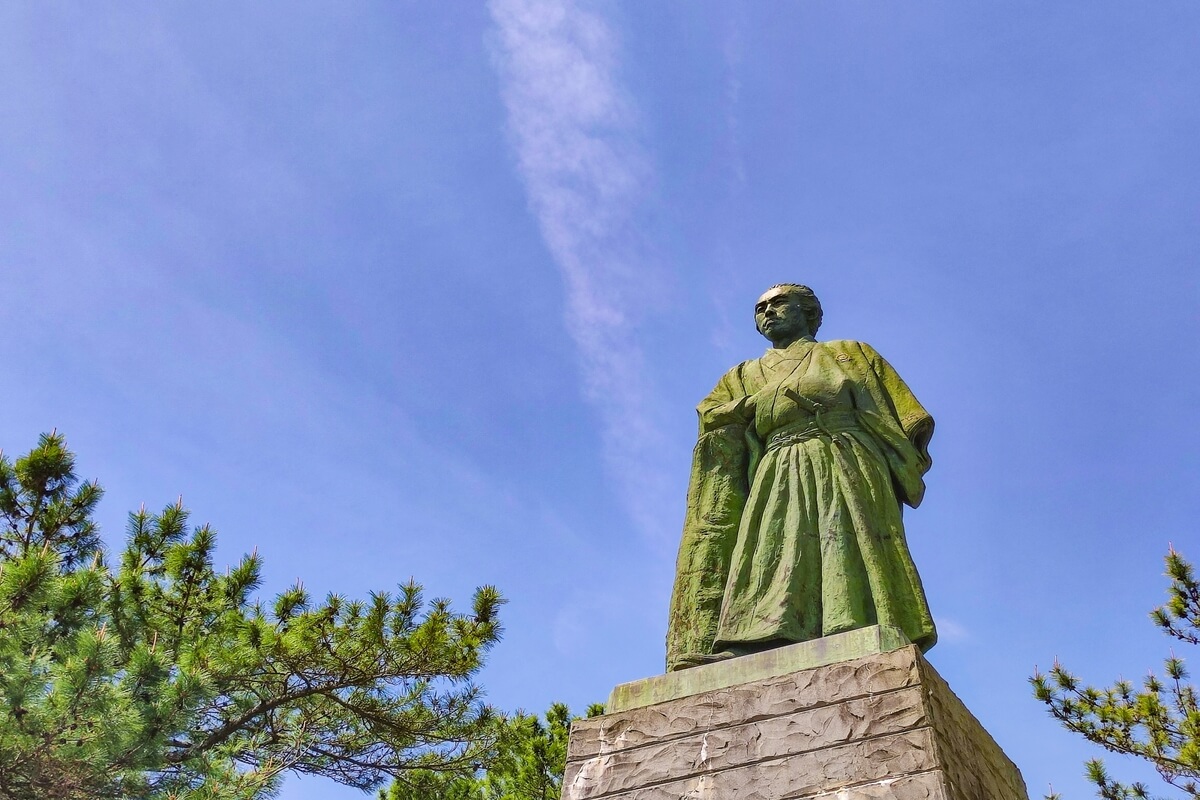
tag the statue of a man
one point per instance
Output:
(793, 526)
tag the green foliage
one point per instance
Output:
(163, 678)
(1158, 722)
(531, 756)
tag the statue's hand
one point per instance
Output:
(808, 404)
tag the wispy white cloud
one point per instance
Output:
(723, 335)
(732, 48)
(574, 131)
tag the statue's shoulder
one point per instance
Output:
(737, 376)
(739, 369)
(851, 348)
(738, 379)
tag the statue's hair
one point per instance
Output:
(808, 301)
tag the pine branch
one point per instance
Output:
(1159, 724)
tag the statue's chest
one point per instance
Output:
(795, 389)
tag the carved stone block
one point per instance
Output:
(882, 726)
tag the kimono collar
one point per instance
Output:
(795, 351)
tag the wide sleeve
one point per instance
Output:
(727, 404)
(717, 493)
(899, 421)
(915, 421)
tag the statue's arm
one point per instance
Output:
(914, 420)
(899, 421)
(717, 494)
(729, 403)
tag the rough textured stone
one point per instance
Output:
(884, 726)
(774, 737)
(919, 786)
(756, 667)
(975, 766)
(822, 770)
(745, 703)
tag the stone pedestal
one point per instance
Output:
(790, 724)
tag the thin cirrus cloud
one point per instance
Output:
(574, 133)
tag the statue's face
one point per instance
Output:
(780, 317)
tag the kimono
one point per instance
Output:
(793, 528)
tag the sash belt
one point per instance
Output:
(825, 422)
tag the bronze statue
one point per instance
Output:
(793, 528)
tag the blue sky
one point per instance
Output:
(431, 289)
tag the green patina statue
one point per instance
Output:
(793, 528)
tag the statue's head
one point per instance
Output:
(786, 312)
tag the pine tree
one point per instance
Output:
(531, 756)
(1160, 722)
(160, 677)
